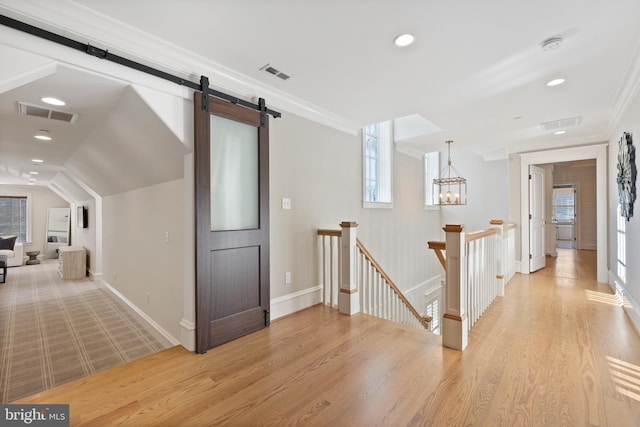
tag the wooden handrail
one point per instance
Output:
(436, 244)
(510, 226)
(469, 237)
(439, 248)
(327, 232)
(424, 320)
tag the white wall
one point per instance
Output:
(137, 259)
(41, 199)
(630, 287)
(320, 170)
(488, 191)
(514, 198)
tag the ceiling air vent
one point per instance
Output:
(25, 109)
(269, 69)
(561, 124)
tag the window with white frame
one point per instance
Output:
(13, 217)
(377, 143)
(433, 310)
(431, 171)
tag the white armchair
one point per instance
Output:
(15, 257)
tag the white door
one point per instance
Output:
(536, 218)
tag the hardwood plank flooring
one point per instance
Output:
(555, 351)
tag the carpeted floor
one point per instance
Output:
(54, 331)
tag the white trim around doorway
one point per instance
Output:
(596, 151)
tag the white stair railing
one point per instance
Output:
(329, 266)
(482, 281)
(375, 293)
(380, 297)
(477, 267)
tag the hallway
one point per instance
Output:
(555, 351)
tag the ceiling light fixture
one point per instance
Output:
(43, 137)
(34, 173)
(37, 161)
(53, 101)
(404, 40)
(555, 82)
(552, 43)
(447, 189)
(560, 132)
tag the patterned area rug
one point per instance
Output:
(53, 331)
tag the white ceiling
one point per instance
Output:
(475, 66)
(107, 148)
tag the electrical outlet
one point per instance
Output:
(287, 278)
(166, 237)
(286, 203)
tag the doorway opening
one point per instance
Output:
(564, 215)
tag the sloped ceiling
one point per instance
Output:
(129, 149)
(118, 143)
(69, 188)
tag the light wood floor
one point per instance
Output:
(555, 351)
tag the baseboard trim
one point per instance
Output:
(296, 301)
(188, 334)
(144, 315)
(632, 308)
(517, 267)
(95, 276)
(629, 305)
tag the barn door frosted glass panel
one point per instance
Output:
(234, 175)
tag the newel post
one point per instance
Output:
(501, 255)
(348, 298)
(455, 325)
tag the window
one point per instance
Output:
(13, 217)
(378, 161)
(431, 170)
(433, 310)
(564, 204)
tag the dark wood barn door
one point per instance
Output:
(232, 221)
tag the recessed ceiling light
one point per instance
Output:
(53, 101)
(34, 173)
(32, 179)
(560, 132)
(404, 40)
(37, 160)
(555, 82)
(43, 137)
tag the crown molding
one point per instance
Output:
(80, 23)
(627, 93)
